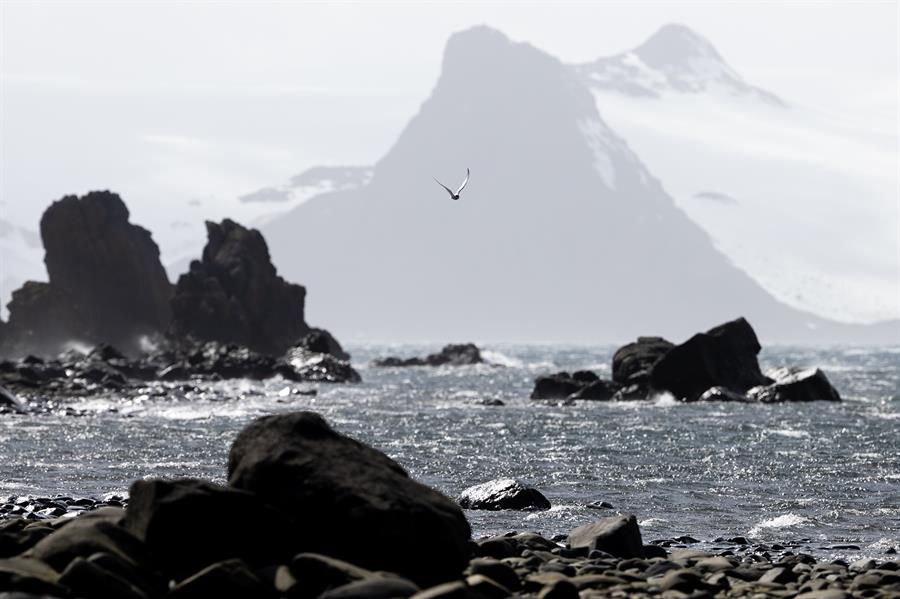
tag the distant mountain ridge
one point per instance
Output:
(675, 59)
(782, 188)
(562, 233)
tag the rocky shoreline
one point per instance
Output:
(311, 513)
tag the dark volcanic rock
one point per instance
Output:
(619, 536)
(582, 384)
(632, 362)
(106, 281)
(598, 390)
(723, 356)
(188, 524)
(462, 354)
(556, 386)
(234, 295)
(322, 342)
(722, 394)
(503, 494)
(792, 384)
(349, 500)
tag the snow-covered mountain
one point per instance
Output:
(562, 233)
(803, 200)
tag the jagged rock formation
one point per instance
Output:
(459, 354)
(106, 283)
(234, 295)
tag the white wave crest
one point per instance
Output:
(783, 521)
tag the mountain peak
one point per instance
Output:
(674, 59)
(676, 44)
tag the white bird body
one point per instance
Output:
(454, 195)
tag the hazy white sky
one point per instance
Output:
(168, 102)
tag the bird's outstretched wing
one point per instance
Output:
(464, 183)
(450, 191)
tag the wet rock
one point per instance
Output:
(723, 356)
(632, 362)
(88, 579)
(450, 355)
(497, 571)
(636, 392)
(187, 524)
(597, 390)
(503, 494)
(722, 394)
(229, 579)
(333, 488)
(374, 588)
(233, 294)
(106, 282)
(321, 341)
(92, 533)
(618, 536)
(29, 575)
(319, 367)
(792, 384)
(9, 402)
(556, 386)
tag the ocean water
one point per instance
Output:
(824, 473)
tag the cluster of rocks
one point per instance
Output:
(462, 354)
(230, 315)
(718, 365)
(33, 381)
(311, 513)
(26, 509)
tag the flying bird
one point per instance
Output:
(454, 196)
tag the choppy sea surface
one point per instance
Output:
(828, 473)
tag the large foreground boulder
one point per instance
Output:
(461, 354)
(234, 294)
(348, 500)
(503, 494)
(106, 282)
(187, 524)
(724, 356)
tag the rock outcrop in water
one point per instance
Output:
(234, 295)
(718, 365)
(450, 355)
(724, 356)
(503, 494)
(46, 384)
(106, 283)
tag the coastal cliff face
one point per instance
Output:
(234, 295)
(106, 282)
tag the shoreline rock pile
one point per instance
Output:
(230, 315)
(311, 513)
(463, 354)
(718, 365)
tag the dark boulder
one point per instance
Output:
(722, 394)
(619, 536)
(792, 384)
(106, 281)
(234, 294)
(87, 535)
(462, 354)
(582, 384)
(229, 579)
(188, 524)
(318, 367)
(723, 356)
(556, 386)
(322, 342)
(632, 362)
(346, 499)
(600, 389)
(503, 494)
